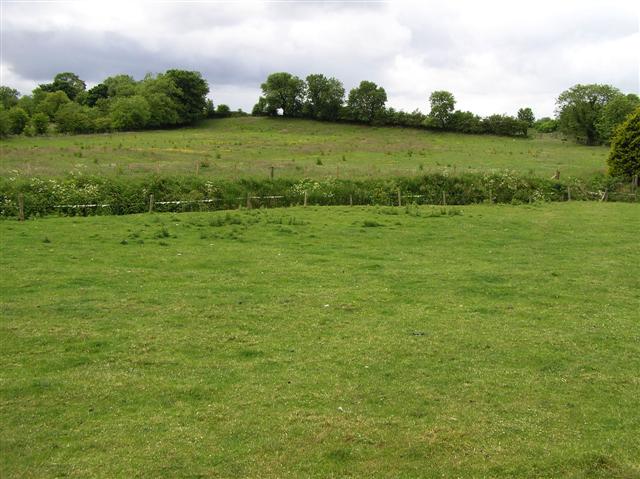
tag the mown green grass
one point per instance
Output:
(249, 147)
(323, 342)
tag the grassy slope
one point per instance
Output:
(248, 147)
(502, 342)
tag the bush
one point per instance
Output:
(73, 118)
(18, 119)
(130, 113)
(624, 158)
(40, 123)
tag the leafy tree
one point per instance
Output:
(8, 97)
(160, 94)
(52, 102)
(442, 105)
(465, 122)
(120, 85)
(223, 110)
(261, 108)
(209, 109)
(283, 91)
(26, 103)
(526, 115)
(579, 109)
(191, 94)
(546, 125)
(325, 97)
(68, 82)
(366, 102)
(5, 124)
(130, 113)
(100, 91)
(18, 119)
(73, 118)
(614, 113)
(39, 123)
(624, 157)
(504, 125)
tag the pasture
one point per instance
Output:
(248, 147)
(480, 341)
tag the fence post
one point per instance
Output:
(634, 186)
(271, 174)
(568, 193)
(20, 207)
(556, 176)
(197, 167)
(444, 198)
(305, 198)
(350, 200)
(490, 196)
(151, 203)
(399, 197)
(248, 200)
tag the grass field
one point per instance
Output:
(491, 341)
(249, 147)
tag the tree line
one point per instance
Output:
(588, 113)
(170, 99)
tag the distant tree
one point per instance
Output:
(545, 125)
(51, 102)
(161, 94)
(579, 109)
(73, 118)
(283, 91)
(624, 157)
(465, 122)
(68, 82)
(366, 102)
(325, 97)
(504, 125)
(18, 120)
(100, 91)
(526, 115)
(209, 109)
(223, 110)
(442, 105)
(26, 103)
(261, 108)
(130, 113)
(5, 124)
(8, 97)
(192, 94)
(614, 113)
(39, 123)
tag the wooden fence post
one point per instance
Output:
(20, 207)
(248, 200)
(399, 197)
(568, 193)
(271, 174)
(490, 196)
(151, 203)
(350, 200)
(634, 186)
(305, 198)
(444, 198)
(197, 168)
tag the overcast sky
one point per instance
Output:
(494, 56)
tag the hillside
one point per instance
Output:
(249, 147)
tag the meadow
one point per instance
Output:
(248, 147)
(475, 341)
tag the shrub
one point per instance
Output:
(73, 118)
(624, 158)
(18, 119)
(40, 123)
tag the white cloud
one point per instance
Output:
(494, 56)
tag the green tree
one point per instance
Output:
(284, 91)
(325, 97)
(209, 109)
(68, 82)
(8, 97)
(223, 111)
(40, 123)
(5, 124)
(18, 119)
(119, 86)
(526, 115)
(614, 113)
(366, 102)
(546, 125)
(191, 94)
(442, 106)
(130, 113)
(100, 91)
(73, 118)
(261, 108)
(624, 157)
(52, 102)
(579, 109)
(160, 93)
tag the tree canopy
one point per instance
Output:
(283, 91)
(442, 105)
(624, 157)
(366, 102)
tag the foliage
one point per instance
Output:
(504, 125)
(442, 106)
(325, 97)
(5, 123)
(118, 86)
(283, 91)
(73, 118)
(50, 103)
(624, 158)
(8, 97)
(190, 95)
(366, 102)
(98, 92)
(223, 111)
(526, 115)
(579, 110)
(130, 113)
(67, 82)
(18, 120)
(465, 122)
(546, 125)
(614, 113)
(40, 123)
